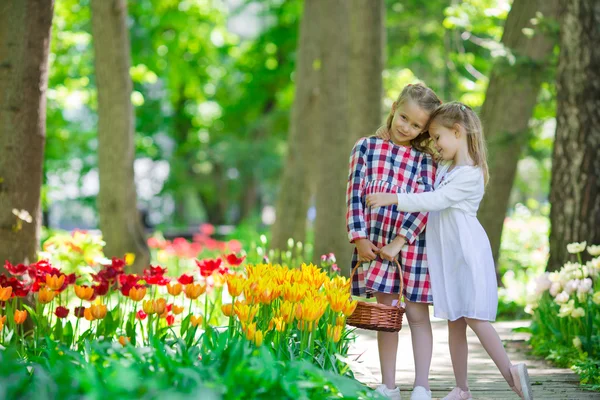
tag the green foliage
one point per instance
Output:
(170, 371)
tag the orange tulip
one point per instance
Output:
(20, 316)
(350, 307)
(87, 313)
(160, 306)
(235, 285)
(137, 294)
(2, 321)
(177, 310)
(195, 321)
(55, 282)
(5, 293)
(123, 340)
(251, 331)
(84, 292)
(98, 310)
(148, 307)
(195, 290)
(227, 309)
(45, 295)
(174, 290)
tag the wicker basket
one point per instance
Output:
(375, 316)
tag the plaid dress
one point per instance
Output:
(382, 166)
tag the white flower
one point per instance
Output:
(596, 298)
(555, 289)
(23, 215)
(578, 312)
(554, 277)
(543, 283)
(562, 298)
(575, 248)
(571, 286)
(567, 309)
(582, 296)
(594, 250)
(585, 285)
(577, 342)
(578, 274)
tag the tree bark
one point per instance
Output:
(575, 184)
(297, 183)
(117, 201)
(330, 235)
(24, 45)
(509, 102)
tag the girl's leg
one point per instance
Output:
(387, 343)
(493, 345)
(459, 351)
(422, 340)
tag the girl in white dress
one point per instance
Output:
(461, 267)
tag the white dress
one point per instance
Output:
(461, 266)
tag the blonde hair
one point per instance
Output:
(426, 99)
(455, 112)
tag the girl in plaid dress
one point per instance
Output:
(401, 164)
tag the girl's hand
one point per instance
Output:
(391, 250)
(382, 133)
(381, 199)
(367, 251)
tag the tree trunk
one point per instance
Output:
(24, 44)
(330, 235)
(117, 201)
(297, 183)
(575, 184)
(509, 102)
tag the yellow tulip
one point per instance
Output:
(294, 292)
(84, 292)
(337, 300)
(174, 290)
(98, 310)
(148, 307)
(286, 311)
(195, 321)
(160, 306)
(137, 294)
(251, 331)
(87, 313)
(5, 293)
(227, 309)
(177, 310)
(55, 282)
(45, 295)
(258, 338)
(341, 321)
(195, 290)
(235, 285)
(246, 312)
(350, 307)
(20, 316)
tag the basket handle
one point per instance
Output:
(358, 263)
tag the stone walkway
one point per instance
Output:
(484, 379)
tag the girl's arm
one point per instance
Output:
(355, 219)
(412, 224)
(460, 187)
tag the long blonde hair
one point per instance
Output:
(455, 112)
(426, 99)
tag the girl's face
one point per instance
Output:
(447, 141)
(408, 122)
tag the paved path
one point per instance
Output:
(484, 379)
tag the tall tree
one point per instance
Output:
(297, 182)
(575, 185)
(24, 43)
(509, 102)
(117, 200)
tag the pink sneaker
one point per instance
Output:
(458, 394)
(522, 383)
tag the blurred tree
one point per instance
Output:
(575, 185)
(24, 45)
(509, 102)
(117, 200)
(297, 182)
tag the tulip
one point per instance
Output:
(20, 316)
(123, 340)
(55, 282)
(5, 293)
(137, 294)
(174, 289)
(87, 313)
(195, 290)
(177, 310)
(160, 306)
(195, 321)
(61, 312)
(258, 338)
(45, 295)
(227, 309)
(98, 310)
(235, 285)
(84, 292)
(148, 307)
